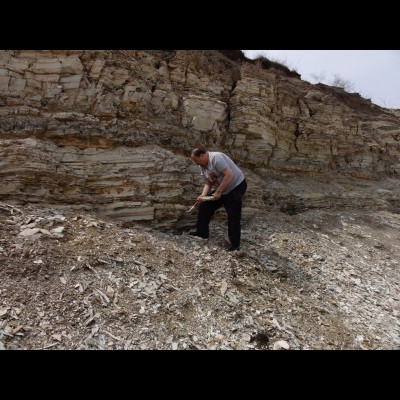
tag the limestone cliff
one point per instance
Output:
(111, 131)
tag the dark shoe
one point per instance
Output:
(234, 248)
(198, 235)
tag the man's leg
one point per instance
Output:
(206, 212)
(233, 207)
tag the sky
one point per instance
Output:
(374, 74)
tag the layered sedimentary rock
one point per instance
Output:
(112, 131)
(287, 123)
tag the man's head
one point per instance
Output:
(200, 157)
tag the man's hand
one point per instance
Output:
(217, 195)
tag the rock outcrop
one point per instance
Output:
(111, 131)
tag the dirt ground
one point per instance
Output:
(314, 280)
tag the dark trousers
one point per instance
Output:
(233, 206)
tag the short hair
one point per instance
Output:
(198, 152)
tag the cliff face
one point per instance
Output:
(112, 131)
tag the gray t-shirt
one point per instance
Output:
(213, 171)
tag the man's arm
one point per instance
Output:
(206, 189)
(228, 175)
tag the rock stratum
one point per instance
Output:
(111, 132)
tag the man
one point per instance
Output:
(227, 183)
